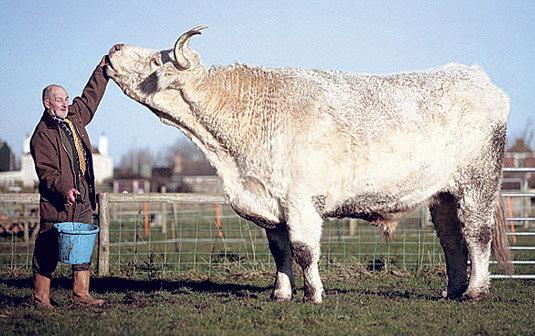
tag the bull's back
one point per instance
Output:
(403, 137)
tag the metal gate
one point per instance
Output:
(521, 241)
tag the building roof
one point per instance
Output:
(520, 146)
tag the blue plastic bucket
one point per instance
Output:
(76, 241)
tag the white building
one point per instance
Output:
(102, 165)
(102, 162)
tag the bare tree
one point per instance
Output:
(192, 159)
(529, 132)
(137, 162)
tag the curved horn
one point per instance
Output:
(181, 60)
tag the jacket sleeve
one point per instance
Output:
(85, 106)
(47, 165)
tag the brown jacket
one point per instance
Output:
(52, 162)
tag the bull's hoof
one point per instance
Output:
(454, 292)
(474, 295)
(451, 295)
(315, 297)
(312, 300)
(281, 296)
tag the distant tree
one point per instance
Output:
(137, 162)
(526, 136)
(528, 133)
(188, 156)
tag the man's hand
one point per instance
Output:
(105, 59)
(71, 195)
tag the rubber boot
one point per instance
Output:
(81, 288)
(41, 291)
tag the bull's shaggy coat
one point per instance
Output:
(294, 146)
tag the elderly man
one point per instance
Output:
(61, 151)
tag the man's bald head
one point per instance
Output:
(56, 100)
(47, 91)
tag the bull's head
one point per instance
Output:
(143, 73)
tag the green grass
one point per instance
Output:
(221, 287)
(357, 303)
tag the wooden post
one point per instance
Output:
(173, 227)
(26, 224)
(218, 223)
(146, 218)
(104, 235)
(164, 218)
(26, 232)
(35, 231)
(352, 226)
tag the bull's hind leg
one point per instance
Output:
(479, 185)
(449, 230)
(478, 221)
(304, 226)
(279, 245)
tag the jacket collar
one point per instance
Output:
(48, 119)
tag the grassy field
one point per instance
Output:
(187, 280)
(357, 302)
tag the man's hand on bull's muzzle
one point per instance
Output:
(105, 59)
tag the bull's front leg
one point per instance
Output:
(279, 245)
(304, 226)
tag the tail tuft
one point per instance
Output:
(500, 246)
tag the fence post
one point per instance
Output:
(173, 227)
(104, 235)
(164, 219)
(526, 206)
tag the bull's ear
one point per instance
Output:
(182, 62)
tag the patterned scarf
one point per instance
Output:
(69, 128)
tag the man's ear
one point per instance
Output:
(46, 103)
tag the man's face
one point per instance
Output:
(57, 102)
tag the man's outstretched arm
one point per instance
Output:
(85, 106)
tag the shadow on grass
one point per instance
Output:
(7, 300)
(133, 286)
(390, 294)
(123, 285)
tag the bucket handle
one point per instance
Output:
(77, 199)
(73, 213)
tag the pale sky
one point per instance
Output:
(62, 41)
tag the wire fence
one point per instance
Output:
(181, 234)
(174, 233)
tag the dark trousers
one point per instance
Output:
(46, 250)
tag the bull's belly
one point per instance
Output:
(377, 190)
(370, 207)
(383, 202)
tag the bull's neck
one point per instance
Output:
(237, 107)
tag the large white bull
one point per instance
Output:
(294, 146)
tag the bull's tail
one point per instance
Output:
(500, 246)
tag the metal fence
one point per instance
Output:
(159, 233)
(520, 214)
(167, 233)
